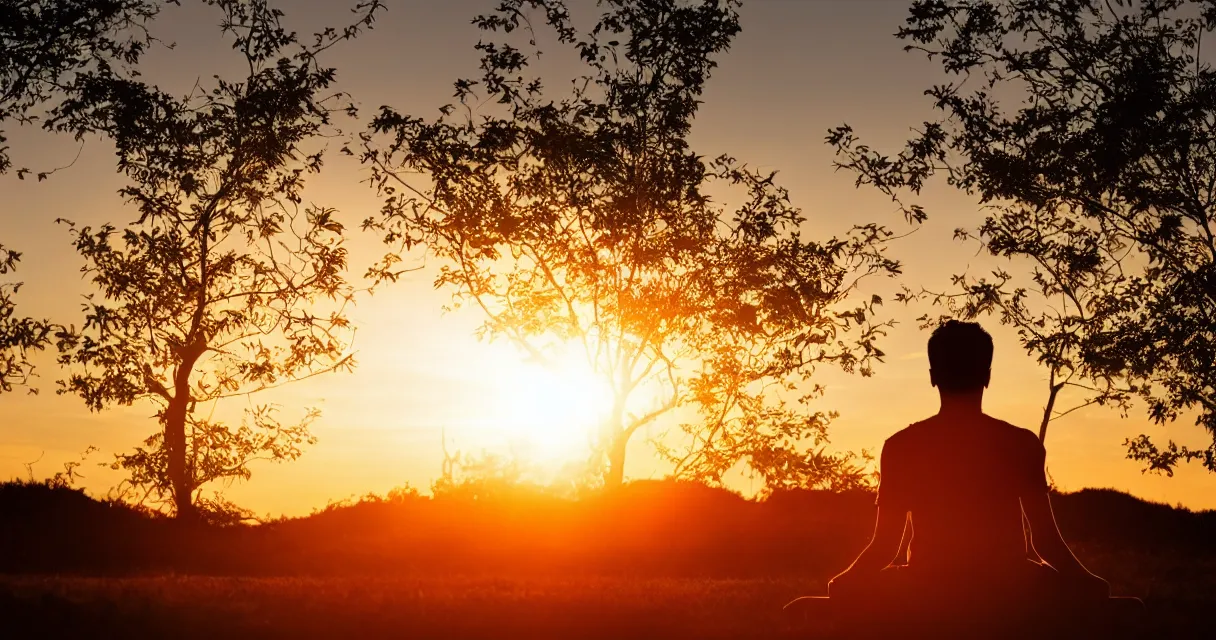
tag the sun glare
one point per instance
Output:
(554, 410)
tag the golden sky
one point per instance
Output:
(798, 68)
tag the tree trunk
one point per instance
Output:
(1047, 410)
(175, 442)
(181, 479)
(617, 437)
(615, 476)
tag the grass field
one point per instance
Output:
(455, 607)
(434, 607)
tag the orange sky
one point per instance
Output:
(798, 68)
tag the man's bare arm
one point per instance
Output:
(888, 533)
(1046, 540)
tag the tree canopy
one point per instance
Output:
(582, 219)
(51, 47)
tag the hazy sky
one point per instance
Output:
(799, 68)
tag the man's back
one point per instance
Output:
(962, 479)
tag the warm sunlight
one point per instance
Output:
(553, 410)
(720, 319)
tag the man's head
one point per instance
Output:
(960, 357)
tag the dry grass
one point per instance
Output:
(452, 607)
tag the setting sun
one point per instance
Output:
(553, 410)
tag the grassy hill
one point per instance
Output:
(653, 560)
(652, 528)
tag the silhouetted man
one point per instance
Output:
(962, 481)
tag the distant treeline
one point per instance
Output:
(650, 528)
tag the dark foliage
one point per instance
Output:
(19, 336)
(50, 49)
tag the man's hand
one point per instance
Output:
(834, 585)
(888, 533)
(1090, 586)
(844, 585)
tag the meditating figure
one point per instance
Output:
(970, 492)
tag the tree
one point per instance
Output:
(226, 284)
(585, 222)
(1090, 125)
(44, 46)
(50, 46)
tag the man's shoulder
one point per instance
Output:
(1020, 434)
(930, 428)
(908, 434)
